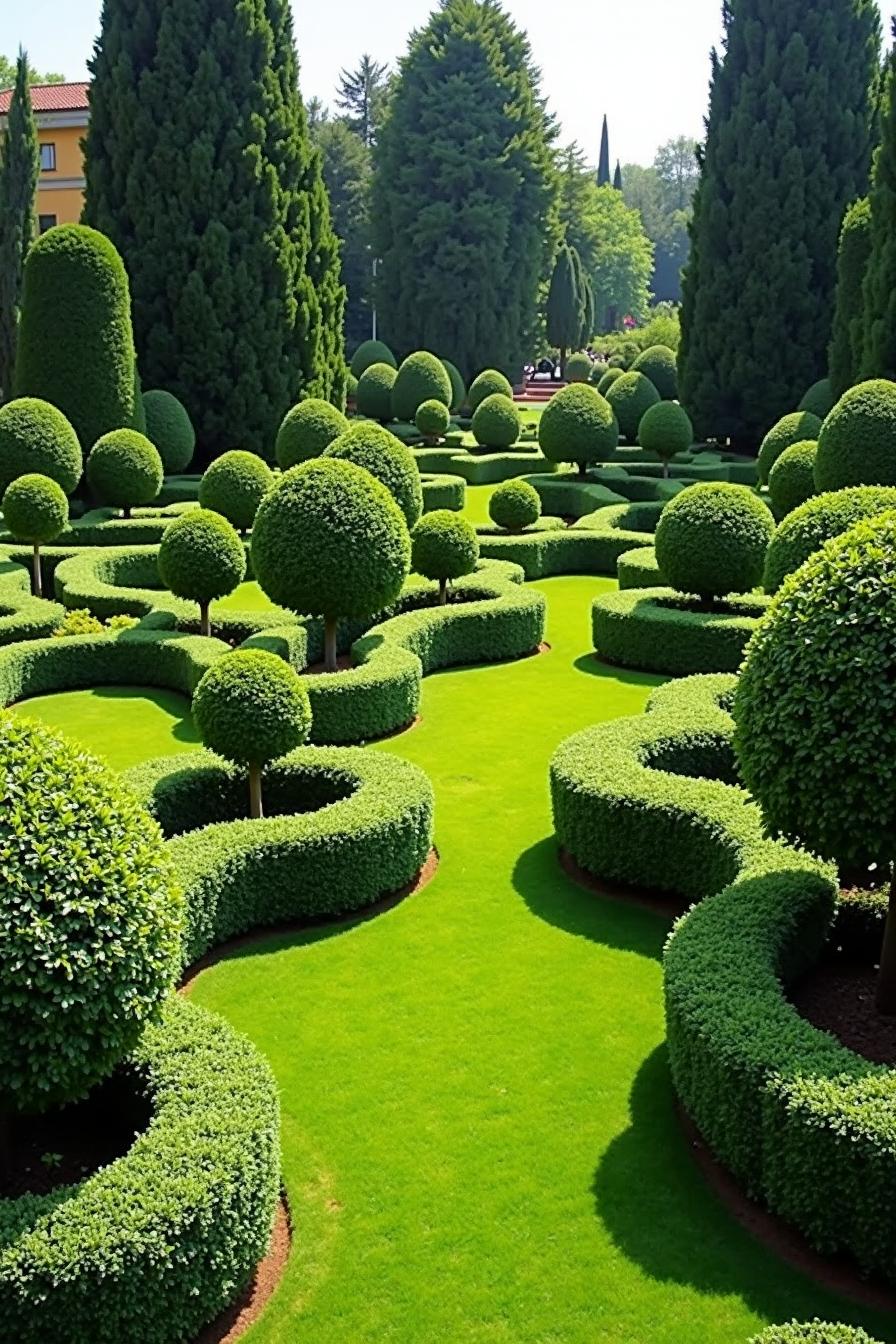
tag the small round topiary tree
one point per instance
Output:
(35, 438)
(458, 386)
(486, 384)
(234, 486)
(371, 352)
(791, 480)
(618, 362)
(330, 541)
(578, 368)
(35, 510)
(170, 428)
(445, 547)
(514, 506)
(857, 442)
(432, 420)
(813, 1332)
(598, 373)
(496, 422)
(421, 377)
(388, 459)
(819, 520)
(124, 470)
(307, 430)
(666, 429)
(816, 718)
(201, 559)
(711, 540)
(819, 400)
(577, 425)
(607, 380)
(660, 365)
(630, 398)
(374, 397)
(798, 427)
(251, 707)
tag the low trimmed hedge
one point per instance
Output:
(441, 491)
(659, 630)
(482, 468)
(592, 545)
(639, 569)
(23, 617)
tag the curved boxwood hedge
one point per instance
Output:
(23, 617)
(592, 545)
(482, 468)
(639, 569)
(441, 491)
(659, 630)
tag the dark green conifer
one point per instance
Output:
(565, 312)
(847, 336)
(603, 163)
(879, 291)
(617, 176)
(19, 169)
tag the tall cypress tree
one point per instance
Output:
(603, 163)
(788, 146)
(463, 200)
(19, 169)
(879, 292)
(845, 356)
(565, 311)
(617, 176)
(200, 169)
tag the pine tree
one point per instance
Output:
(788, 145)
(19, 170)
(845, 355)
(603, 163)
(347, 171)
(362, 95)
(463, 201)
(617, 176)
(565, 311)
(200, 169)
(879, 296)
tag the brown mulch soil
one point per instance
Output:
(238, 1317)
(838, 997)
(343, 663)
(667, 904)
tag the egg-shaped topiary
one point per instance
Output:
(234, 486)
(458, 386)
(791, 480)
(307, 430)
(388, 459)
(124, 470)
(666, 429)
(374, 398)
(798, 427)
(818, 521)
(496, 422)
(329, 540)
(813, 1332)
(445, 547)
(486, 384)
(608, 378)
(36, 438)
(618, 362)
(659, 364)
(630, 398)
(432, 420)
(578, 368)
(90, 921)
(819, 400)
(35, 510)
(421, 377)
(251, 707)
(857, 442)
(169, 427)
(577, 425)
(514, 506)
(201, 559)
(711, 540)
(371, 352)
(598, 373)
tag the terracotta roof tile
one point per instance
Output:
(51, 98)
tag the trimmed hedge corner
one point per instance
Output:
(659, 630)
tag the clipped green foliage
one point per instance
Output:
(351, 387)
(857, 442)
(374, 398)
(35, 437)
(201, 558)
(653, 630)
(458, 386)
(496, 422)
(445, 547)
(578, 425)
(608, 378)
(421, 377)
(846, 350)
(819, 399)
(369, 353)
(658, 363)
(819, 520)
(234, 486)
(486, 384)
(514, 506)
(813, 1332)
(798, 427)
(388, 459)
(307, 430)
(250, 707)
(432, 420)
(711, 540)
(666, 429)
(169, 427)
(791, 480)
(35, 509)
(618, 362)
(578, 368)
(125, 470)
(630, 398)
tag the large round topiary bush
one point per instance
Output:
(577, 425)
(711, 540)
(421, 377)
(514, 506)
(445, 547)
(813, 1332)
(201, 559)
(819, 399)
(374, 396)
(169, 427)
(432, 420)
(630, 398)
(307, 430)
(666, 429)
(35, 437)
(660, 365)
(791, 480)
(578, 368)
(458, 386)
(819, 520)
(234, 486)
(90, 919)
(486, 384)
(124, 470)
(798, 427)
(608, 379)
(496, 422)
(388, 459)
(35, 510)
(371, 352)
(857, 442)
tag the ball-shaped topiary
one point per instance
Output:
(251, 707)
(36, 438)
(820, 399)
(388, 459)
(577, 425)
(598, 373)
(857, 442)
(458, 386)
(660, 365)
(618, 362)
(35, 510)
(329, 540)
(445, 547)
(608, 378)
(307, 430)
(432, 420)
(819, 520)
(578, 368)
(813, 1332)
(666, 429)
(421, 377)
(630, 398)
(125, 470)
(90, 922)
(496, 422)
(711, 540)
(791, 480)
(374, 397)
(371, 352)
(169, 427)
(486, 384)
(234, 486)
(514, 506)
(798, 427)
(201, 558)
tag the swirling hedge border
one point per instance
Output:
(591, 545)
(650, 630)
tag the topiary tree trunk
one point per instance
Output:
(205, 623)
(37, 583)
(256, 811)
(331, 652)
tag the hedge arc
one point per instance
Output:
(655, 629)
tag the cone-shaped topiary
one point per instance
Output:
(608, 379)
(496, 422)
(35, 510)
(578, 368)
(486, 384)
(458, 386)
(388, 459)
(201, 559)
(514, 506)
(125, 470)
(445, 547)
(791, 480)
(35, 437)
(666, 429)
(820, 519)
(630, 398)
(658, 363)
(798, 427)
(369, 353)
(234, 486)
(432, 420)
(819, 399)
(251, 707)
(577, 425)
(170, 428)
(421, 377)
(374, 397)
(711, 540)
(307, 430)
(857, 442)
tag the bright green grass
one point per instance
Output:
(479, 1136)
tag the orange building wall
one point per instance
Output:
(65, 201)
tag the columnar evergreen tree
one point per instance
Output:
(879, 292)
(603, 163)
(565, 311)
(788, 145)
(463, 198)
(200, 169)
(845, 355)
(617, 176)
(19, 169)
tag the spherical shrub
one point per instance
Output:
(371, 352)
(798, 427)
(374, 397)
(307, 430)
(578, 368)
(35, 509)
(234, 486)
(515, 505)
(659, 364)
(618, 362)
(125, 470)
(388, 459)
(36, 438)
(791, 480)
(820, 519)
(577, 425)
(432, 419)
(421, 377)
(496, 422)
(486, 384)
(819, 400)
(598, 373)
(445, 547)
(813, 1332)
(666, 429)
(608, 379)
(170, 428)
(711, 540)
(630, 398)
(857, 442)
(458, 386)
(90, 920)
(201, 558)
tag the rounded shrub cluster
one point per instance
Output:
(659, 364)
(351, 386)
(251, 707)
(307, 430)
(819, 400)
(608, 378)
(234, 486)
(798, 427)
(857, 442)
(666, 429)
(818, 521)
(388, 459)
(618, 362)
(486, 384)
(578, 368)
(711, 540)
(445, 547)
(578, 425)
(170, 428)
(125, 470)
(791, 480)
(371, 352)
(201, 558)
(35, 509)
(813, 1332)
(514, 506)
(458, 386)
(432, 420)
(630, 398)
(496, 422)
(421, 377)
(36, 438)
(374, 396)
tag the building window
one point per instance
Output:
(45, 222)
(48, 158)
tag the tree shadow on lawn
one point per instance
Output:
(592, 666)
(171, 702)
